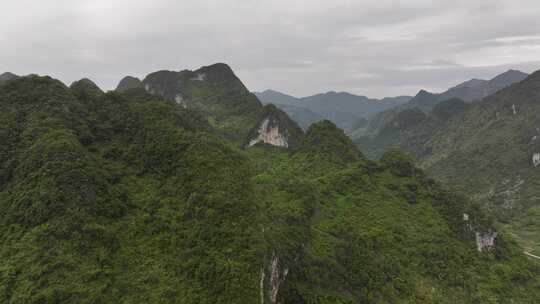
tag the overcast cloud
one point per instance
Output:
(375, 48)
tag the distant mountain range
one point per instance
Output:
(344, 109)
(469, 91)
(349, 111)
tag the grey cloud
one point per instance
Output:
(374, 48)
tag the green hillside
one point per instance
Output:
(489, 154)
(133, 197)
(485, 149)
(411, 129)
(213, 90)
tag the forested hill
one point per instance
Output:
(488, 149)
(145, 196)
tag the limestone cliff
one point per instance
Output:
(275, 128)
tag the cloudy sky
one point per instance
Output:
(375, 48)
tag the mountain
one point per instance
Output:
(505, 79)
(7, 76)
(134, 197)
(346, 109)
(471, 90)
(85, 86)
(476, 89)
(343, 229)
(129, 83)
(410, 129)
(275, 97)
(487, 149)
(112, 199)
(303, 116)
(342, 108)
(489, 152)
(214, 90)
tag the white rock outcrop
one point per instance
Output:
(179, 99)
(261, 290)
(485, 240)
(276, 278)
(270, 283)
(536, 159)
(199, 77)
(270, 134)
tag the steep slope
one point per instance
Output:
(213, 90)
(411, 129)
(341, 229)
(275, 128)
(488, 149)
(490, 152)
(108, 200)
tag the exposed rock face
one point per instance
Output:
(179, 99)
(536, 159)
(129, 83)
(199, 77)
(269, 133)
(485, 240)
(275, 128)
(261, 287)
(468, 225)
(276, 277)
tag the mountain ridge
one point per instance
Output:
(470, 91)
(342, 108)
(131, 197)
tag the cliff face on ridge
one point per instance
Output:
(275, 128)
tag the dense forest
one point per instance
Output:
(152, 194)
